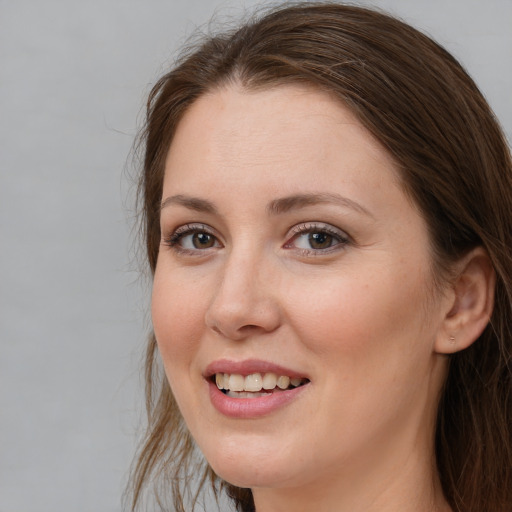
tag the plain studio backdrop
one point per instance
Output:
(73, 313)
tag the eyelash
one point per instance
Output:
(339, 238)
(176, 237)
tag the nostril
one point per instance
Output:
(216, 330)
(238, 334)
(250, 328)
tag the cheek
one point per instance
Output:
(177, 312)
(370, 348)
(365, 319)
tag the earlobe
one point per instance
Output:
(472, 302)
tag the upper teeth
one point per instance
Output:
(255, 382)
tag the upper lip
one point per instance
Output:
(249, 366)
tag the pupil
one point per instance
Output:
(320, 240)
(202, 240)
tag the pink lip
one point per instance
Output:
(249, 366)
(247, 408)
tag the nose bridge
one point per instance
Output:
(244, 301)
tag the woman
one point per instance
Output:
(327, 208)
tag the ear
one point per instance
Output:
(470, 303)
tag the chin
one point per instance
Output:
(249, 466)
(246, 475)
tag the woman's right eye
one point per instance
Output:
(192, 238)
(197, 241)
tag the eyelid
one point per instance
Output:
(321, 227)
(173, 238)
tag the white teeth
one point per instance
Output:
(236, 382)
(269, 381)
(283, 382)
(255, 382)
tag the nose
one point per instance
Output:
(245, 302)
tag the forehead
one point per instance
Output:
(231, 133)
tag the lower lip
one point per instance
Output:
(246, 408)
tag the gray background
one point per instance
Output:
(73, 311)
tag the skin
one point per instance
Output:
(359, 318)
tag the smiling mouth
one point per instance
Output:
(256, 384)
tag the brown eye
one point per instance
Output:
(193, 238)
(320, 240)
(317, 238)
(203, 240)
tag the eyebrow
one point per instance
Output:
(295, 202)
(192, 203)
(275, 207)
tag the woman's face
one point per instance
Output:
(290, 251)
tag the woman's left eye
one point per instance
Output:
(316, 238)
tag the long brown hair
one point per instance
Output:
(421, 105)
